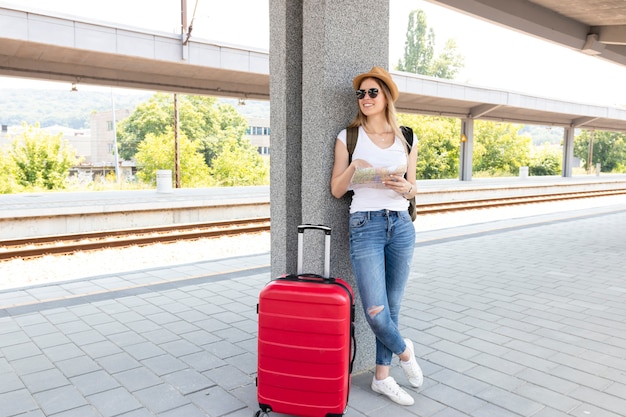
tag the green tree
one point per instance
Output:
(228, 124)
(202, 120)
(448, 63)
(8, 184)
(609, 149)
(419, 47)
(545, 160)
(499, 149)
(239, 164)
(419, 51)
(153, 116)
(438, 145)
(41, 160)
(157, 152)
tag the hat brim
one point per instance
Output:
(380, 74)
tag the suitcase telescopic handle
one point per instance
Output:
(326, 230)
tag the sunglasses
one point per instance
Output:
(372, 92)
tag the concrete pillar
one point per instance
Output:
(568, 152)
(316, 48)
(467, 147)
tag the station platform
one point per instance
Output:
(521, 317)
(41, 214)
(68, 203)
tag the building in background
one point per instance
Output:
(259, 134)
(95, 146)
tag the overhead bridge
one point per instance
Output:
(63, 48)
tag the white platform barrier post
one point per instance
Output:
(523, 172)
(164, 181)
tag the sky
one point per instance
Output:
(495, 57)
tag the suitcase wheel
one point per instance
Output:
(260, 413)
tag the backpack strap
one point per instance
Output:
(352, 134)
(408, 135)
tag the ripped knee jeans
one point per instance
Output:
(381, 250)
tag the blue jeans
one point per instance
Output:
(381, 250)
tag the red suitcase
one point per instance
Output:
(306, 343)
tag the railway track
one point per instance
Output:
(67, 244)
(434, 208)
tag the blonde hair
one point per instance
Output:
(390, 113)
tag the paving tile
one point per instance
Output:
(181, 347)
(61, 352)
(17, 402)
(94, 382)
(39, 329)
(20, 351)
(84, 411)
(49, 340)
(200, 337)
(548, 398)
(118, 362)
(160, 398)
(164, 364)
(60, 399)
(510, 401)
(10, 381)
(77, 366)
(126, 338)
(228, 376)
(203, 361)
(180, 327)
(100, 349)
(144, 350)
(32, 364)
(454, 398)
(137, 379)
(190, 410)
(188, 381)
(599, 399)
(216, 401)
(114, 402)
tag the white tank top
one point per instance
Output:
(374, 197)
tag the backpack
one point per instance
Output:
(352, 135)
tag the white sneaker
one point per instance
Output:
(411, 369)
(392, 390)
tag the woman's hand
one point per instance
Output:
(398, 184)
(360, 163)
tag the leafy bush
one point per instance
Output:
(545, 161)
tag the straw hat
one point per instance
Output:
(381, 74)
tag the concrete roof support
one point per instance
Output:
(568, 152)
(466, 149)
(317, 47)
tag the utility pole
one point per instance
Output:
(183, 31)
(176, 142)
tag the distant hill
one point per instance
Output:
(541, 135)
(72, 109)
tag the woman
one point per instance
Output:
(382, 235)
